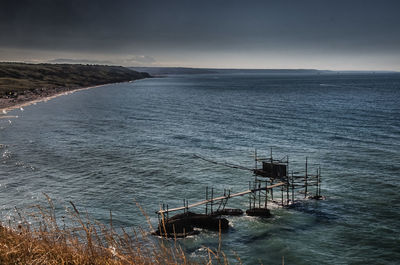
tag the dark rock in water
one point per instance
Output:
(184, 224)
(260, 212)
(177, 226)
(316, 197)
(228, 211)
(210, 222)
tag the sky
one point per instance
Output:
(317, 34)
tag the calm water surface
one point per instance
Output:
(106, 147)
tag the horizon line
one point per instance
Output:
(201, 68)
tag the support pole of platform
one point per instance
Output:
(319, 181)
(292, 188)
(249, 195)
(259, 195)
(317, 191)
(212, 197)
(272, 190)
(305, 180)
(287, 190)
(207, 200)
(255, 158)
(282, 195)
(254, 195)
(287, 180)
(271, 156)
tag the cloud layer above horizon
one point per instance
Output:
(362, 35)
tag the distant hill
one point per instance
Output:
(20, 81)
(183, 70)
(173, 70)
(160, 71)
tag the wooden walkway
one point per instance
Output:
(221, 198)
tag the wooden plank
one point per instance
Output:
(221, 198)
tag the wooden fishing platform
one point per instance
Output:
(269, 174)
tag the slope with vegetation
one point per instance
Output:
(20, 82)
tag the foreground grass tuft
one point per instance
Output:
(84, 241)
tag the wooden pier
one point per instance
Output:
(220, 198)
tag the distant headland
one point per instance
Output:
(160, 71)
(21, 83)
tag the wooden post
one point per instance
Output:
(317, 192)
(254, 195)
(272, 190)
(266, 195)
(206, 200)
(305, 181)
(319, 181)
(259, 195)
(282, 195)
(292, 188)
(249, 196)
(287, 182)
(287, 190)
(255, 158)
(271, 156)
(212, 197)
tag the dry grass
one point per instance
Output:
(80, 240)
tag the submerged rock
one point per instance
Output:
(260, 212)
(316, 197)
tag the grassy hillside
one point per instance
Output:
(19, 78)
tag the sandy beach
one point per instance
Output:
(23, 84)
(8, 105)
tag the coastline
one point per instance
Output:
(43, 98)
(23, 84)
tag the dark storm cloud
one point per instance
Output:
(114, 26)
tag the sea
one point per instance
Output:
(117, 146)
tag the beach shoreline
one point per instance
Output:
(12, 104)
(24, 84)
